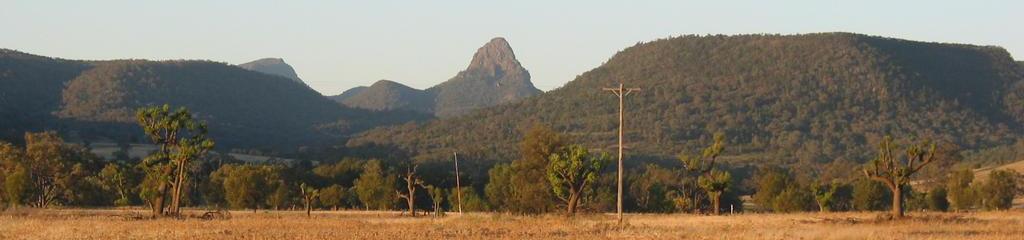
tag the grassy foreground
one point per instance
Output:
(126, 224)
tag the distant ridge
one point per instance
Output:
(96, 100)
(493, 77)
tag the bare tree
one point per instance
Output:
(888, 168)
(411, 181)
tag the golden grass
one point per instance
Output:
(113, 224)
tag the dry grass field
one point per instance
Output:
(125, 224)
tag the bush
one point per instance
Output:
(937, 199)
(869, 195)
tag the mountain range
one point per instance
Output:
(786, 99)
(96, 101)
(494, 76)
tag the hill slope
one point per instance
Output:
(97, 100)
(493, 77)
(784, 99)
(389, 95)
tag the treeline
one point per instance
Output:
(552, 174)
(48, 172)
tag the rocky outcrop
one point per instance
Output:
(272, 66)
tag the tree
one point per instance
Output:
(793, 198)
(571, 171)
(650, 189)
(13, 173)
(181, 139)
(499, 186)
(824, 195)
(771, 182)
(248, 186)
(281, 195)
(411, 182)
(309, 196)
(471, 201)
(16, 185)
(436, 198)
(1000, 189)
(539, 143)
(53, 168)
(701, 167)
(714, 184)
(332, 196)
(118, 180)
(375, 190)
(894, 172)
(961, 194)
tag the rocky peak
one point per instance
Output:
(495, 57)
(272, 66)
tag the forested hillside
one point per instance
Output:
(91, 100)
(31, 91)
(389, 95)
(779, 99)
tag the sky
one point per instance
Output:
(337, 45)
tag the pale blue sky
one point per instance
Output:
(336, 45)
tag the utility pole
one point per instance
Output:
(458, 186)
(621, 92)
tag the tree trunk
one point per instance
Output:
(412, 204)
(716, 200)
(158, 203)
(897, 202)
(573, 202)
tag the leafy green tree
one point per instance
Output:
(54, 168)
(571, 172)
(118, 180)
(895, 173)
(374, 188)
(937, 199)
(961, 194)
(870, 195)
(436, 198)
(770, 183)
(825, 195)
(280, 195)
(793, 198)
(998, 192)
(13, 175)
(528, 194)
(343, 172)
(333, 196)
(471, 200)
(499, 186)
(248, 186)
(181, 140)
(16, 185)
